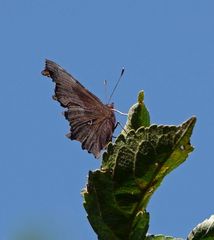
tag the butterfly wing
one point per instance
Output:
(92, 123)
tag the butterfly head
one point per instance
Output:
(111, 105)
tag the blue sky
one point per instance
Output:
(167, 48)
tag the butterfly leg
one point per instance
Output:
(116, 125)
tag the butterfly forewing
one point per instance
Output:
(92, 123)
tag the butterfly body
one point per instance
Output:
(92, 122)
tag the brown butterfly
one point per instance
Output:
(92, 122)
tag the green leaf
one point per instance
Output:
(203, 231)
(140, 226)
(104, 215)
(138, 115)
(161, 237)
(133, 167)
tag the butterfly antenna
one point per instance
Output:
(106, 90)
(121, 74)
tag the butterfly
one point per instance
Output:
(91, 122)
